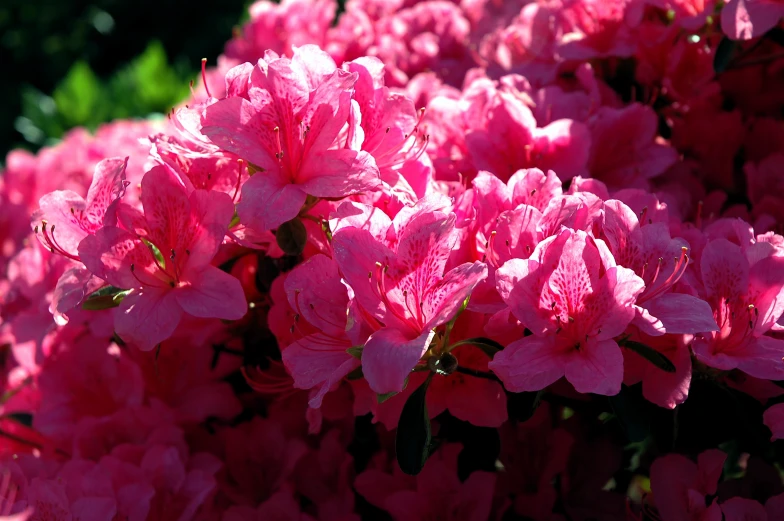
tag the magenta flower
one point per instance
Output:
(661, 261)
(164, 259)
(64, 218)
(319, 360)
(398, 277)
(746, 294)
(290, 128)
(575, 300)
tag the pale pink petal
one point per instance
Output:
(315, 292)
(747, 19)
(530, 364)
(445, 298)
(762, 358)
(110, 253)
(766, 289)
(72, 287)
(356, 252)
(563, 146)
(318, 361)
(268, 201)
(725, 270)
(597, 367)
(682, 314)
(520, 283)
(235, 124)
(389, 356)
(212, 293)
(167, 208)
(147, 317)
(338, 173)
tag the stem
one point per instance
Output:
(479, 374)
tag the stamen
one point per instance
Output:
(204, 76)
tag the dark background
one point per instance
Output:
(41, 40)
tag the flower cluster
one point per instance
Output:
(433, 260)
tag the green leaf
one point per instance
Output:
(291, 236)
(104, 298)
(355, 351)
(632, 410)
(725, 51)
(156, 252)
(412, 440)
(650, 354)
(490, 347)
(381, 398)
(80, 98)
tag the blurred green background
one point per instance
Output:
(67, 63)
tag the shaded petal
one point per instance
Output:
(725, 271)
(269, 201)
(147, 317)
(530, 364)
(110, 253)
(212, 293)
(682, 314)
(319, 361)
(389, 356)
(315, 291)
(596, 368)
(762, 358)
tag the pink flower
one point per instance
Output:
(64, 218)
(281, 27)
(747, 298)
(747, 19)
(647, 249)
(680, 486)
(575, 300)
(658, 386)
(397, 272)
(437, 493)
(625, 150)
(288, 129)
(164, 259)
(320, 359)
(505, 138)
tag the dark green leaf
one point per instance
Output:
(25, 418)
(104, 298)
(412, 440)
(490, 347)
(291, 236)
(724, 54)
(650, 354)
(631, 409)
(355, 351)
